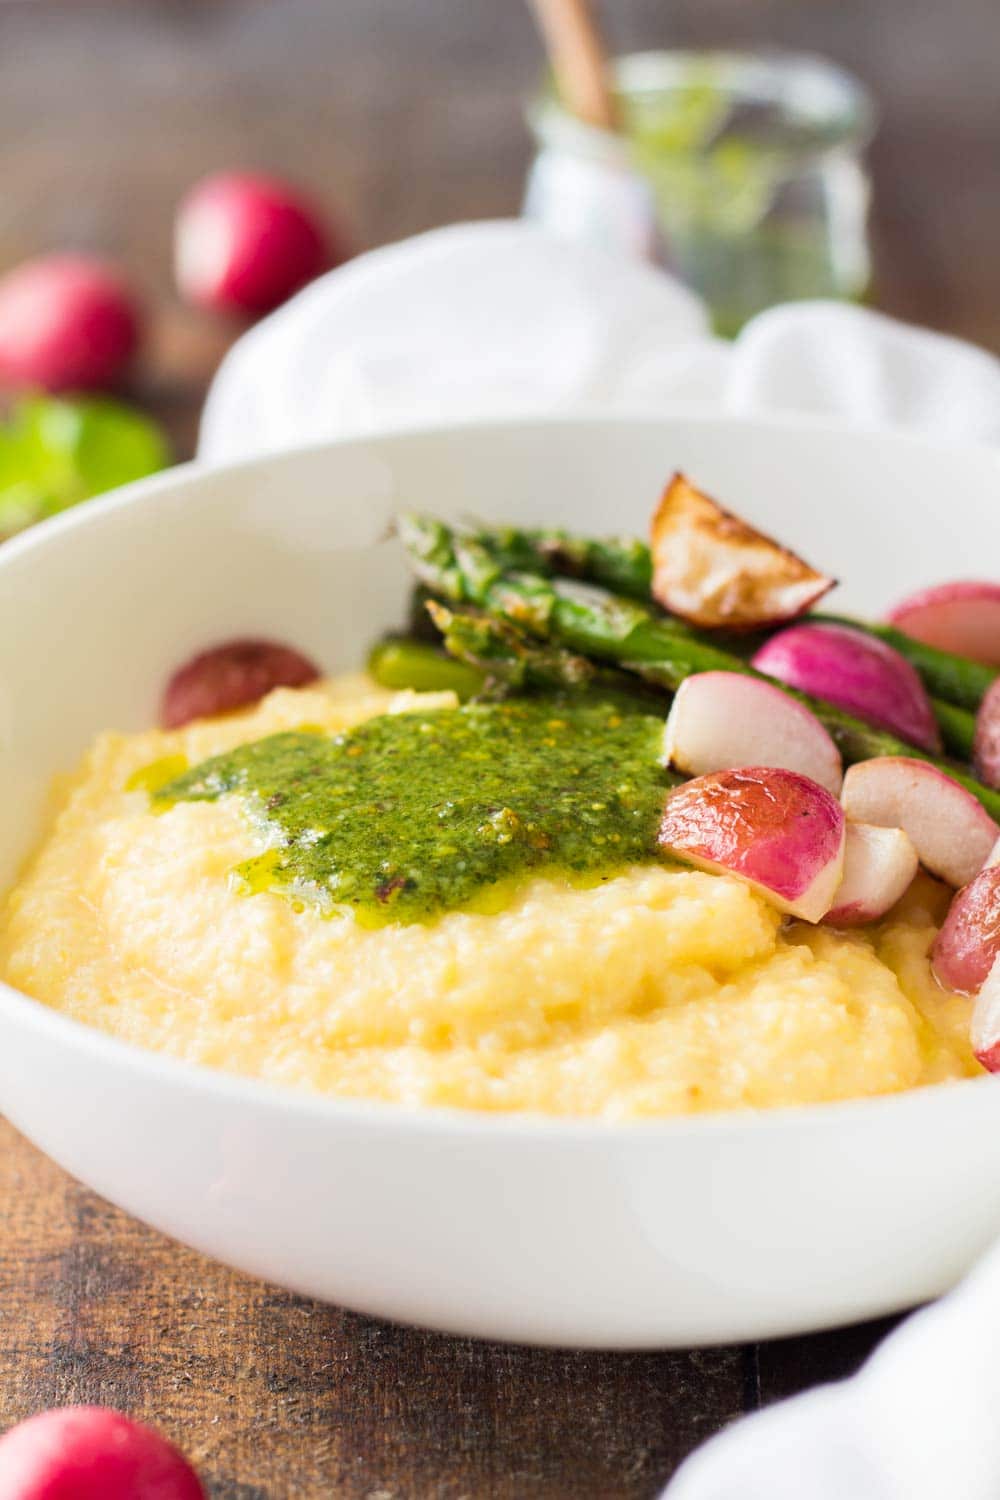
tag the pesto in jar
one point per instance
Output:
(410, 815)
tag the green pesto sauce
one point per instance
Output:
(410, 815)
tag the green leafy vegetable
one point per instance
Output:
(56, 452)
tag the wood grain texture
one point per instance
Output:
(400, 114)
(276, 1396)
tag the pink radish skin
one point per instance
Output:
(245, 242)
(986, 746)
(879, 867)
(231, 676)
(92, 1453)
(961, 617)
(719, 720)
(952, 833)
(856, 672)
(968, 944)
(985, 1027)
(779, 831)
(67, 323)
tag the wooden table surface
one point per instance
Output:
(400, 114)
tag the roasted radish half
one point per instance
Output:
(779, 831)
(961, 617)
(985, 1027)
(232, 676)
(713, 569)
(951, 832)
(968, 944)
(986, 746)
(857, 672)
(719, 720)
(879, 866)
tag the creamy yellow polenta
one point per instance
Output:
(659, 991)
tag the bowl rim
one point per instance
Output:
(388, 1116)
(579, 414)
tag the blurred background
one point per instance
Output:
(398, 115)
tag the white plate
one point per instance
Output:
(651, 1234)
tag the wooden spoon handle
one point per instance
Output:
(578, 60)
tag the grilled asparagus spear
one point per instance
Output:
(403, 662)
(504, 654)
(624, 565)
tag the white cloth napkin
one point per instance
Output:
(502, 318)
(496, 319)
(919, 1421)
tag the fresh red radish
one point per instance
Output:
(231, 676)
(719, 720)
(951, 831)
(245, 242)
(879, 866)
(985, 1025)
(968, 944)
(67, 323)
(986, 746)
(961, 617)
(779, 831)
(714, 569)
(92, 1453)
(856, 672)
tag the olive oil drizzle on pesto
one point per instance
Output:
(410, 815)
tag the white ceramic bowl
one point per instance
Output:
(651, 1234)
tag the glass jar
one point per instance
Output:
(743, 172)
